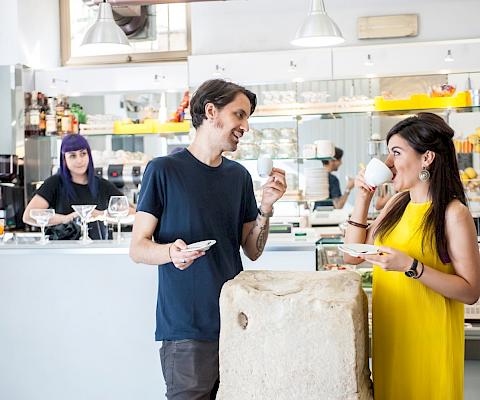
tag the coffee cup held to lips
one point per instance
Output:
(264, 165)
(377, 173)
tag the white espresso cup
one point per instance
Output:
(377, 173)
(264, 165)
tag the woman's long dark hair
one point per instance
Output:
(427, 131)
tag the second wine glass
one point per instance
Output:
(118, 208)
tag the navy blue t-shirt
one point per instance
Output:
(333, 192)
(193, 201)
(333, 187)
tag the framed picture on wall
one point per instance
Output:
(156, 32)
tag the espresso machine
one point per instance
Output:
(11, 192)
(126, 177)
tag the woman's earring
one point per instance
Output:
(424, 174)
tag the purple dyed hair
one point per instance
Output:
(73, 143)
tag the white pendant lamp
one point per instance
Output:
(105, 36)
(318, 29)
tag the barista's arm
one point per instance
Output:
(39, 202)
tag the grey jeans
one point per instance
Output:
(190, 369)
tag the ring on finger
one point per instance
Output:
(183, 261)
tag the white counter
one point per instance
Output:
(77, 321)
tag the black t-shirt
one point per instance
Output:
(193, 201)
(54, 192)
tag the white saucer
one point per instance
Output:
(204, 245)
(359, 249)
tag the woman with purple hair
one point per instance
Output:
(75, 183)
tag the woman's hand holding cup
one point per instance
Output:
(361, 184)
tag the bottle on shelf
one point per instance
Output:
(59, 109)
(42, 101)
(50, 118)
(33, 128)
(67, 120)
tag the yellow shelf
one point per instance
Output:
(150, 126)
(423, 101)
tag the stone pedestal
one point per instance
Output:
(294, 335)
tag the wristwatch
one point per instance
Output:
(264, 214)
(412, 272)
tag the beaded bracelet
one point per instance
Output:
(357, 224)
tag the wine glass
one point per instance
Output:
(118, 208)
(84, 211)
(41, 217)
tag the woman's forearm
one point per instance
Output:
(55, 220)
(357, 234)
(449, 285)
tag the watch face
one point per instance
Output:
(410, 273)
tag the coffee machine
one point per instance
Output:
(11, 192)
(125, 177)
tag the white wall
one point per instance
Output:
(8, 32)
(259, 25)
(38, 30)
(29, 33)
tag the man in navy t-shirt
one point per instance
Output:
(334, 193)
(195, 195)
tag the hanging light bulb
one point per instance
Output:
(449, 57)
(318, 29)
(105, 36)
(369, 62)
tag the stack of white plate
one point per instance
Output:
(316, 183)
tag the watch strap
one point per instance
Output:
(412, 272)
(264, 214)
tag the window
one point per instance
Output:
(158, 32)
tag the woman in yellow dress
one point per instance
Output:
(429, 265)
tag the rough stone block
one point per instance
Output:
(294, 335)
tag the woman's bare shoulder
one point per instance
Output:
(457, 211)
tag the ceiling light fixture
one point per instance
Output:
(318, 29)
(449, 57)
(105, 36)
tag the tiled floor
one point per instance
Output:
(472, 380)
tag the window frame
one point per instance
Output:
(154, 56)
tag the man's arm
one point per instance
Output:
(144, 250)
(339, 202)
(254, 237)
(255, 233)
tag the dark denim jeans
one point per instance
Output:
(190, 369)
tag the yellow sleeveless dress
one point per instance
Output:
(418, 334)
